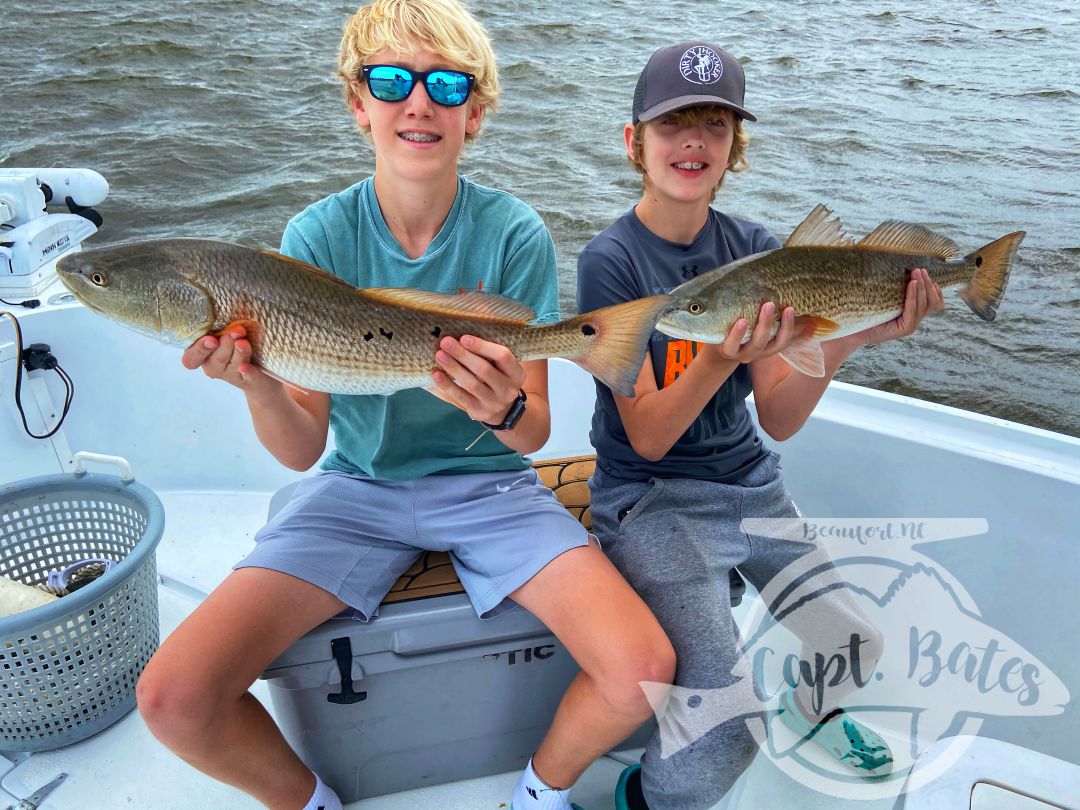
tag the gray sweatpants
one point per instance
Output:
(675, 543)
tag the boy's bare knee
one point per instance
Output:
(654, 663)
(172, 705)
(158, 703)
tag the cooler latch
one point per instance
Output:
(341, 649)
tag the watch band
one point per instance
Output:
(513, 416)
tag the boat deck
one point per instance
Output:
(124, 766)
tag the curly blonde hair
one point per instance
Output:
(444, 27)
(692, 116)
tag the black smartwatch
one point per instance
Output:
(513, 416)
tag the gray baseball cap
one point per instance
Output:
(686, 75)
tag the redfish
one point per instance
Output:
(837, 286)
(311, 329)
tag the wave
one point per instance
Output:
(1053, 93)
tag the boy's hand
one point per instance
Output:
(923, 297)
(480, 377)
(227, 358)
(761, 343)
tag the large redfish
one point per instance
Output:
(837, 286)
(311, 329)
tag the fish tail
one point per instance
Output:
(616, 339)
(992, 265)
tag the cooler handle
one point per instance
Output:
(434, 637)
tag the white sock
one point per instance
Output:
(323, 798)
(532, 793)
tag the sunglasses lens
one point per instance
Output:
(388, 83)
(448, 87)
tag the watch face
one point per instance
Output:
(517, 410)
(513, 416)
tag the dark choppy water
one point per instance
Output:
(221, 118)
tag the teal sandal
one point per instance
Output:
(841, 735)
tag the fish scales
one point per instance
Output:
(846, 285)
(312, 321)
(310, 324)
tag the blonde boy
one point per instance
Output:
(419, 76)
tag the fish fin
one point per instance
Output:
(488, 305)
(284, 382)
(819, 231)
(618, 340)
(805, 356)
(896, 236)
(993, 263)
(304, 266)
(253, 330)
(809, 327)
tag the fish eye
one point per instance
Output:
(98, 278)
(695, 308)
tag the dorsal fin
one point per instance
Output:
(897, 236)
(466, 303)
(487, 305)
(303, 265)
(818, 230)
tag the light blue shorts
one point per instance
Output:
(355, 536)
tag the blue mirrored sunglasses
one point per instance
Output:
(450, 88)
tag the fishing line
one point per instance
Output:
(47, 361)
(478, 438)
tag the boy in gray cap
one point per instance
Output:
(681, 464)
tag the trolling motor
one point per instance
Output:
(31, 238)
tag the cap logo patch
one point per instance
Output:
(701, 65)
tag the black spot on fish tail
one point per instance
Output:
(588, 329)
(385, 334)
(368, 336)
(436, 332)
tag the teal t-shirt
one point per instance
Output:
(490, 241)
